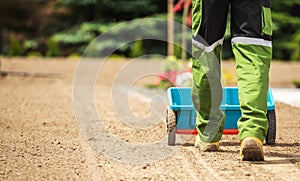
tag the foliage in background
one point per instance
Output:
(107, 14)
(73, 24)
(15, 47)
(114, 10)
(296, 83)
(286, 29)
(52, 48)
(137, 49)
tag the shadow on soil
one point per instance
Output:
(272, 157)
(27, 74)
(270, 161)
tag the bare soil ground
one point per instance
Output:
(41, 140)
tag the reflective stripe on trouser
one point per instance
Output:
(250, 28)
(253, 63)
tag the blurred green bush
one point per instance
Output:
(15, 47)
(64, 27)
(52, 47)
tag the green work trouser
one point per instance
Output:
(251, 45)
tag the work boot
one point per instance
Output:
(252, 149)
(206, 147)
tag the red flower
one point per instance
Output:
(184, 4)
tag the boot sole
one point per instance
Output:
(210, 148)
(252, 153)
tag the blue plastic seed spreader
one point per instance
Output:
(181, 115)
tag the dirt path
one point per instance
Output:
(41, 139)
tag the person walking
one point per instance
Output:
(251, 33)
